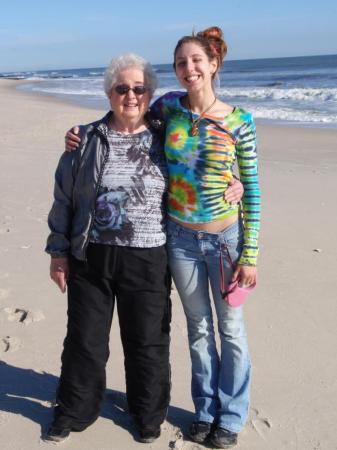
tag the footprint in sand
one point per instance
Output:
(9, 344)
(259, 423)
(6, 221)
(177, 441)
(22, 315)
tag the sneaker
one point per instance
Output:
(57, 434)
(199, 431)
(148, 435)
(221, 438)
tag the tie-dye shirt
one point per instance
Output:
(201, 166)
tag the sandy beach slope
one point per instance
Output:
(291, 318)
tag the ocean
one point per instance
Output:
(295, 90)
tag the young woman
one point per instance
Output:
(207, 233)
(204, 137)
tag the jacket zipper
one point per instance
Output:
(100, 175)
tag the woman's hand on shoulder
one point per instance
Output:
(246, 275)
(234, 192)
(59, 272)
(72, 139)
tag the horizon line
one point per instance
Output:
(170, 63)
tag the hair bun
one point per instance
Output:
(216, 42)
(211, 33)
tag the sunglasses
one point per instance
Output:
(123, 89)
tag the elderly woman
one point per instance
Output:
(107, 244)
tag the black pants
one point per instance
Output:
(138, 279)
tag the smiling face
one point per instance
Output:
(129, 106)
(193, 68)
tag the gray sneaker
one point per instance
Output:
(199, 431)
(148, 435)
(57, 434)
(221, 438)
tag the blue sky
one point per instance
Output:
(47, 34)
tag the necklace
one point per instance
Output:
(195, 122)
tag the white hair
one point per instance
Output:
(127, 61)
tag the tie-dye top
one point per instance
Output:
(201, 166)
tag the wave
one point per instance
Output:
(273, 93)
(274, 84)
(278, 113)
(269, 93)
(45, 76)
(169, 70)
(12, 77)
(288, 114)
(272, 104)
(99, 92)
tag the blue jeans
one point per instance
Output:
(220, 383)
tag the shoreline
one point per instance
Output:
(290, 317)
(13, 85)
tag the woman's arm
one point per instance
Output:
(60, 219)
(158, 109)
(233, 194)
(251, 204)
(61, 213)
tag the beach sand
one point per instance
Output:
(290, 317)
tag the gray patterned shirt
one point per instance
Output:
(131, 200)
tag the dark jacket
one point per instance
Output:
(77, 180)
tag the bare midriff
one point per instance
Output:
(212, 227)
